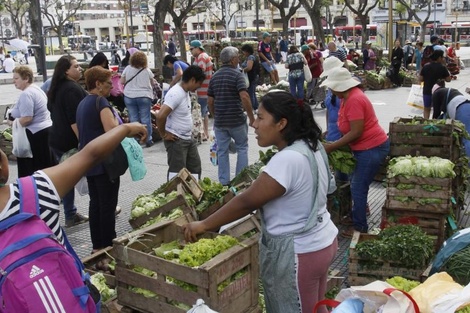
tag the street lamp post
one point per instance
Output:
(1, 33)
(132, 23)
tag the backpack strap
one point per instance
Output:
(29, 204)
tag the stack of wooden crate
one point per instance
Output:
(240, 296)
(419, 137)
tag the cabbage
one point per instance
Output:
(99, 281)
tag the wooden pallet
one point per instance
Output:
(240, 296)
(360, 274)
(188, 211)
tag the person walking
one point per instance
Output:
(266, 57)
(175, 124)
(138, 91)
(397, 60)
(338, 53)
(315, 63)
(429, 75)
(283, 47)
(361, 130)
(32, 114)
(228, 101)
(204, 61)
(295, 63)
(177, 66)
(408, 52)
(251, 67)
(298, 240)
(64, 95)
(171, 47)
(417, 56)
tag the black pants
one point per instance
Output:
(395, 77)
(103, 200)
(42, 157)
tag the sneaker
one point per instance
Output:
(118, 211)
(149, 144)
(78, 218)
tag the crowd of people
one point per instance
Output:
(298, 239)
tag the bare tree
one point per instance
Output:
(313, 9)
(58, 14)
(362, 12)
(186, 8)
(216, 10)
(286, 15)
(17, 10)
(162, 7)
(413, 7)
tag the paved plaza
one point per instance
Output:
(388, 104)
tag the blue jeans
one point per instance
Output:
(252, 93)
(463, 114)
(68, 200)
(139, 111)
(224, 136)
(296, 86)
(368, 163)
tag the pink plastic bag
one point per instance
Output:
(118, 87)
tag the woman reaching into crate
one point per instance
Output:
(298, 240)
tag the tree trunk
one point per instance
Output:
(181, 40)
(59, 34)
(317, 25)
(19, 28)
(35, 33)
(364, 30)
(161, 9)
(285, 27)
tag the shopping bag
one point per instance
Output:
(82, 186)
(21, 145)
(135, 158)
(247, 80)
(307, 74)
(415, 98)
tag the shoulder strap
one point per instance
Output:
(447, 97)
(127, 82)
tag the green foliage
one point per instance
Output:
(99, 281)
(421, 166)
(342, 160)
(458, 266)
(402, 283)
(198, 253)
(213, 192)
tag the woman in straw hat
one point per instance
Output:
(361, 131)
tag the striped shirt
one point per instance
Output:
(339, 54)
(49, 203)
(204, 61)
(225, 87)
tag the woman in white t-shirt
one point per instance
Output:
(298, 240)
(138, 91)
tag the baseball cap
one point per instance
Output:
(407, 42)
(304, 48)
(434, 38)
(196, 44)
(368, 42)
(266, 34)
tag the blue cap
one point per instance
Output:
(196, 44)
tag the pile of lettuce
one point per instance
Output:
(421, 166)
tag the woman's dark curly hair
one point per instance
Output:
(59, 76)
(300, 121)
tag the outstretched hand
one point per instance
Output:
(193, 229)
(137, 130)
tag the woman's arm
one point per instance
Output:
(263, 190)
(108, 119)
(178, 75)
(249, 66)
(25, 120)
(65, 175)
(357, 128)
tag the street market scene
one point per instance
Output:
(235, 157)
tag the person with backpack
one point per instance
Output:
(429, 50)
(408, 52)
(40, 268)
(430, 74)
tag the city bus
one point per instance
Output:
(307, 31)
(447, 32)
(80, 42)
(348, 32)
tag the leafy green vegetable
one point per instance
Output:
(402, 283)
(99, 281)
(421, 166)
(213, 192)
(198, 253)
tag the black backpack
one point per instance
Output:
(427, 52)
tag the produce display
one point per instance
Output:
(458, 266)
(342, 160)
(7, 135)
(406, 245)
(99, 281)
(213, 192)
(374, 80)
(402, 283)
(421, 166)
(144, 204)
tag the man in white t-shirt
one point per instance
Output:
(8, 64)
(175, 123)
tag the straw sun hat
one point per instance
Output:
(339, 79)
(329, 64)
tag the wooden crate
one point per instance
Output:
(339, 203)
(360, 274)
(417, 193)
(90, 263)
(243, 227)
(188, 211)
(240, 296)
(422, 140)
(216, 206)
(188, 182)
(433, 224)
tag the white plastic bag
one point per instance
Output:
(200, 307)
(247, 80)
(415, 98)
(82, 186)
(21, 145)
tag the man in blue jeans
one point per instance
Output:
(228, 100)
